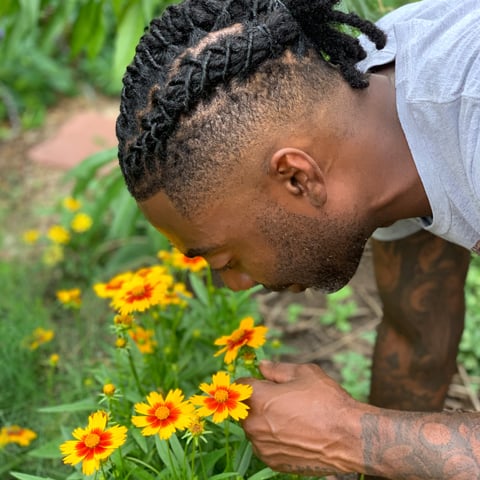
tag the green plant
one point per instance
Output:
(355, 373)
(341, 307)
(160, 348)
(50, 47)
(469, 350)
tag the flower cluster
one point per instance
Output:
(163, 415)
(138, 291)
(60, 235)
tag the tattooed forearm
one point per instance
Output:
(421, 283)
(414, 446)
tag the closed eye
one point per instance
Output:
(226, 267)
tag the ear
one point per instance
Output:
(299, 174)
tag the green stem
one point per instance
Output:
(202, 464)
(227, 446)
(170, 459)
(135, 374)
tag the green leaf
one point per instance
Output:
(140, 440)
(200, 289)
(24, 476)
(243, 457)
(30, 13)
(220, 476)
(263, 474)
(130, 29)
(166, 455)
(84, 172)
(80, 406)
(49, 450)
(89, 29)
(124, 222)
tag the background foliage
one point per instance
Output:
(51, 48)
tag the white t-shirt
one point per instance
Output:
(436, 48)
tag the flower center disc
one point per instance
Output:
(221, 396)
(162, 412)
(138, 291)
(92, 440)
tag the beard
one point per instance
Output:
(323, 254)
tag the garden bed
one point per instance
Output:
(336, 331)
(28, 188)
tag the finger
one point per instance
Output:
(278, 372)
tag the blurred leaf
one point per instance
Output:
(130, 28)
(89, 29)
(80, 406)
(86, 171)
(49, 450)
(24, 476)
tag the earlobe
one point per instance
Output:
(299, 174)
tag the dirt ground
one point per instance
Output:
(26, 188)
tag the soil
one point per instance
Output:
(27, 187)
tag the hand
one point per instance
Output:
(301, 421)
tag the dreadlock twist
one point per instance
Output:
(198, 48)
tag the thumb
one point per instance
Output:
(278, 372)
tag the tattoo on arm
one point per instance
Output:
(421, 283)
(413, 446)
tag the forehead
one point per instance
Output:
(189, 234)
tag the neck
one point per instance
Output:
(395, 189)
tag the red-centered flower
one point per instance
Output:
(223, 398)
(139, 294)
(111, 288)
(247, 334)
(15, 434)
(163, 416)
(94, 443)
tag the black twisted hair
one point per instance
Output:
(218, 69)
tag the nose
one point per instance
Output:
(237, 281)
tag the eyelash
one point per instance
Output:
(227, 266)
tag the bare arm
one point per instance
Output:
(301, 421)
(421, 283)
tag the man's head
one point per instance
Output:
(214, 92)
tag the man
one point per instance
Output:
(257, 134)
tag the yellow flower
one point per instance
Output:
(143, 339)
(195, 264)
(53, 255)
(71, 204)
(120, 342)
(223, 399)
(163, 416)
(70, 298)
(58, 234)
(196, 426)
(94, 443)
(81, 222)
(125, 321)
(141, 293)
(38, 337)
(247, 334)
(109, 389)
(54, 359)
(31, 236)
(113, 286)
(15, 434)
